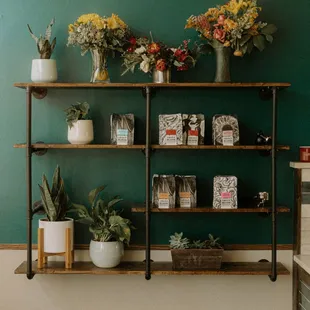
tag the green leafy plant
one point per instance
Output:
(45, 47)
(77, 112)
(54, 202)
(178, 242)
(104, 222)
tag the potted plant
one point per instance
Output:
(80, 127)
(232, 27)
(195, 255)
(110, 230)
(100, 36)
(44, 70)
(158, 59)
(55, 204)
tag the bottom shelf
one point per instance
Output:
(160, 268)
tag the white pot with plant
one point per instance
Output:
(44, 70)
(110, 231)
(54, 204)
(80, 127)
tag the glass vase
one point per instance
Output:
(100, 72)
(222, 55)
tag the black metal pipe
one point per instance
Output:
(29, 182)
(273, 276)
(148, 184)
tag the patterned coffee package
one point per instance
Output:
(193, 129)
(225, 129)
(164, 191)
(225, 192)
(122, 129)
(186, 191)
(170, 129)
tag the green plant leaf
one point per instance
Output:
(114, 201)
(269, 29)
(48, 32)
(32, 35)
(250, 47)
(269, 38)
(244, 39)
(94, 193)
(52, 211)
(56, 182)
(259, 42)
(38, 208)
(81, 210)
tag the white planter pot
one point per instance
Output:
(44, 71)
(55, 235)
(82, 132)
(106, 254)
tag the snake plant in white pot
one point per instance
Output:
(55, 204)
(110, 230)
(80, 127)
(44, 70)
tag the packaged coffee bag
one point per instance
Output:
(122, 129)
(164, 191)
(186, 191)
(170, 129)
(193, 129)
(225, 192)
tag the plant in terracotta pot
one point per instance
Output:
(80, 127)
(55, 204)
(44, 70)
(110, 230)
(232, 28)
(195, 255)
(158, 59)
(101, 36)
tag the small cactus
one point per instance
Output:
(177, 242)
(212, 243)
(45, 47)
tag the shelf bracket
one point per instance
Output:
(38, 151)
(266, 93)
(39, 93)
(151, 90)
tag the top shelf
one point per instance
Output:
(154, 85)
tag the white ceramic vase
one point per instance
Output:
(106, 254)
(55, 235)
(44, 71)
(82, 132)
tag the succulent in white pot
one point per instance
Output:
(55, 204)
(110, 230)
(44, 70)
(80, 127)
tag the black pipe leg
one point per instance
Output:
(29, 183)
(148, 184)
(273, 276)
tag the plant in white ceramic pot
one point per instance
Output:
(44, 70)
(55, 204)
(110, 230)
(80, 127)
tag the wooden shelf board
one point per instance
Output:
(219, 147)
(170, 147)
(211, 210)
(79, 146)
(154, 85)
(160, 268)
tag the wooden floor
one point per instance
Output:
(161, 268)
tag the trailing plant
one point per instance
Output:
(77, 112)
(54, 202)
(178, 242)
(104, 222)
(45, 47)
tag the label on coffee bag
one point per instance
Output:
(122, 137)
(226, 200)
(228, 137)
(163, 200)
(192, 137)
(171, 137)
(185, 199)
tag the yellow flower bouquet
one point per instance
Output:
(233, 26)
(99, 35)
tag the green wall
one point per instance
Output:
(287, 60)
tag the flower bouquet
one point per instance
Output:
(158, 58)
(232, 27)
(99, 35)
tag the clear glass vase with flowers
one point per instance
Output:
(232, 27)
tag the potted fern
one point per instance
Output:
(55, 204)
(195, 255)
(110, 230)
(44, 70)
(80, 127)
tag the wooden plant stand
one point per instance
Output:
(43, 256)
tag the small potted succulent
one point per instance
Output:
(195, 255)
(44, 70)
(110, 230)
(55, 204)
(80, 127)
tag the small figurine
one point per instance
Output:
(261, 198)
(261, 139)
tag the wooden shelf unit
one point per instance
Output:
(211, 210)
(160, 268)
